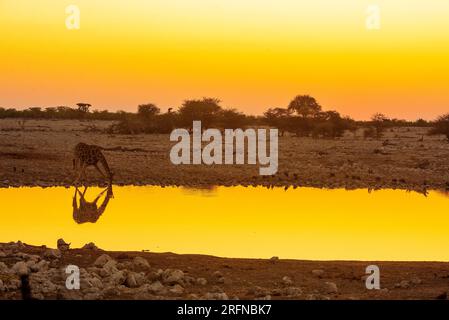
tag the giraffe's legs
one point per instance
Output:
(82, 172)
(78, 177)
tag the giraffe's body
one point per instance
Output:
(89, 155)
(89, 211)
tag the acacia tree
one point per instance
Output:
(379, 121)
(206, 110)
(148, 110)
(305, 106)
(279, 118)
(83, 107)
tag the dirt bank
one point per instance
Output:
(405, 158)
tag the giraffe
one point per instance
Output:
(89, 211)
(89, 155)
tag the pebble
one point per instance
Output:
(287, 281)
(331, 287)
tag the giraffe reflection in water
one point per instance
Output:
(85, 211)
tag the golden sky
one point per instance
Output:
(250, 54)
(240, 222)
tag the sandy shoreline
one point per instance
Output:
(405, 158)
(121, 275)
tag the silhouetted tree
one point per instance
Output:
(305, 106)
(204, 110)
(148, 110)
(330, 124)
(278, 118)
(231, 119)
(441, 126)
(380, 122)
(83, 107)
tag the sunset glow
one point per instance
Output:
(251, 54)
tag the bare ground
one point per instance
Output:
(40, 154)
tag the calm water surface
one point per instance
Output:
(253, 222)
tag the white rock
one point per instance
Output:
(40, 266)
(170, 276)
(34, 257)
(102, 260)
(177, 290)
(3, 268)
(118, 278)
(331, 287)
(141, 263)
(140, 278)
(201, 281)
(96, 283)
(157, 288)
(20, 268)
(13, 284)
(110, 267)
(287, 281)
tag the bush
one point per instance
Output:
(441, 126)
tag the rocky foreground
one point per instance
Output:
(145, 275)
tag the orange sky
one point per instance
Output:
(250, 54)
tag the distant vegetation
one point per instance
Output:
(441, 126)
(303, 116)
